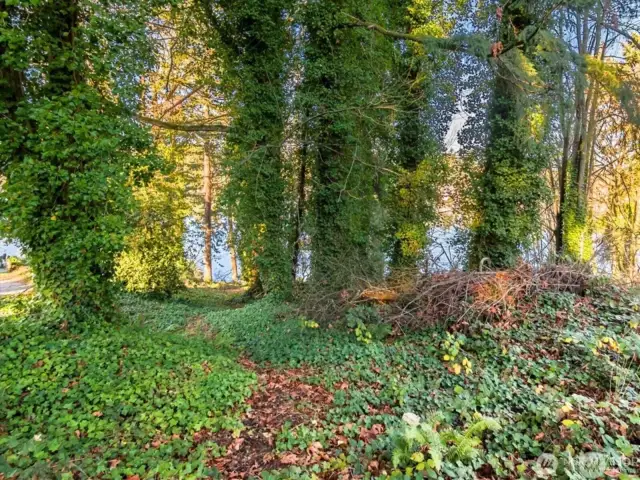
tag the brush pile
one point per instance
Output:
(461, 297)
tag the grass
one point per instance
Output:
(560, 377)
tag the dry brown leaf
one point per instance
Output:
(289, 459)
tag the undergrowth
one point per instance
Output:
(554, 385)
(114, 400)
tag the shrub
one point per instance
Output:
(154, 259)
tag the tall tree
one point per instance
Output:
(206, 218)
(511, 187)
(342, 76)
(255, 38)
(418, 158)
(72, 148)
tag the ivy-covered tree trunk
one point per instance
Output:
(575, 233)
(409, 234)
(255, 37)
(343, 203)
(511, 186)
(71, 151)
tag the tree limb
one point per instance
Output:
(184, 127)
(458, 43)
(181, 100)
(624, 33)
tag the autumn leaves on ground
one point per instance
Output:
(207, 386)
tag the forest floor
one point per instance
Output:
(206, 386)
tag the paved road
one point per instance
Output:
(13, 283)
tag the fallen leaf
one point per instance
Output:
(114, 463)
(97, 414)
(289, 459)
(236, 444)
(367, 435)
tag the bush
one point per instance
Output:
(14, 262)
(154, 259)
(68, 201)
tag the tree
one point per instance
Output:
(511, 188)
(418, 163)
(254, 39)
(341, 90)
(153, 260)
(70, 150)
(206, 219)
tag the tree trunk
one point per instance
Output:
(564, 167)
(206, 220)
(232, 250)
(511, 187)
(297, 221)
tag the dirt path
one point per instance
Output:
(15, 282)
(282, 398)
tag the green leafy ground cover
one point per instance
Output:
(553, 387)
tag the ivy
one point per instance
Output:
(255, 38)
(70, 151)
(511, 188)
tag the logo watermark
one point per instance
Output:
(590, 465)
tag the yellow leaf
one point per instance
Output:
(568, 423)
(456, 368)
(566, 408)
(418, 457)
(446, 358)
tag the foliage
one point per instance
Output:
(510, 189)
(154, 258)
(367, 324)
(549, 394)
(113, 399)
(410, 442)
(68, 201)
(515, 380)
(69, 148)
(254, 38)
(339, 95)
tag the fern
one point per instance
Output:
(437, 447)
(478, 428)
(464, 449)
(447, 444)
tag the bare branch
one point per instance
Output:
(181, 100)
(457, 43)
(184, 127)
